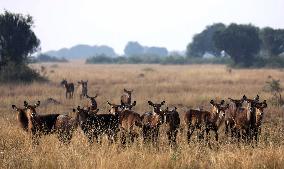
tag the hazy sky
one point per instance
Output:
(168, 23)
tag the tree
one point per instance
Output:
(241, 42)
(17, 39)
(17, 43)
(203, 42)
(133, 49)
(272, 41)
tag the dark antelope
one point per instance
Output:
(83, 88)
(69, 88)
(39, 125)
(172, 121)
(96, 125)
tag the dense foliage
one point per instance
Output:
(17, 43)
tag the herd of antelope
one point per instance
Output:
(242, 118)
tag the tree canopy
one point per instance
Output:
(203, 42)
(241, 42)
(17, 39)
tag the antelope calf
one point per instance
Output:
(152, 121)
(69, 88)
(83, 88)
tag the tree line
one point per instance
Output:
(246, 44)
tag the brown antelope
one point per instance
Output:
(234, 107)
(128, 120)
(172, 122)
(69, 88)
(22, 116)
(95, 125)
(92, 102)
(204, 120)
(126, 97)
(239, 117)
(259, 111)
(83, 88)
(152, 121)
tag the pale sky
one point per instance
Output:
(166, 23)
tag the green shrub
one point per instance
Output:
(19, 73)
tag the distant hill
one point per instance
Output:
(133, 48)
(82, 52)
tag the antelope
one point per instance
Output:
(92, 102)
(239, 118)
(95, 125)
(69, 88)
(128, 120)
(83, 88)
(22, 117)
(259, 111)
(172, 121)
(234, 107)
(38, 125)
(152, 121)
(203, 120)
(126, 97)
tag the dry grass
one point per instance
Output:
(182, 86)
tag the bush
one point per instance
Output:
(19, 73)
(99, 59)
(47, 58)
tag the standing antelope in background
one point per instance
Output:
(92, 102)
(83, 88)
(126, 97)
(69, 88)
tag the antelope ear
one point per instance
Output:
(109, 103)
(78, 108)
(96, 96)
(163, 102)
(212, 102)
(175, 108)
(227, 106)
(222, 102)
(14, 107)
(134, 103)
(74, 110)
(37, 104)
(87, 96)
(26, 103)
(124, 90)
(264, 104)
(150, 103)
(244, 97)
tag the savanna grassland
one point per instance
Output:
(185, 87)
